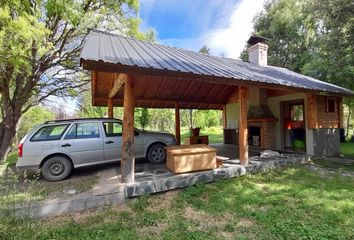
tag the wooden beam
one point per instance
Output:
(93, 85)
(118, 82)
(172, 102)
(128, 157)
(234, 97)
(187, 89)
(243, 131)
(134, 70)
(178, 124)
(224, 116)
(212, 88)
(110, 108)
(157, 93)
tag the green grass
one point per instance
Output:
(347, 149)
(215, 134)
(295, 203)
(11, 159)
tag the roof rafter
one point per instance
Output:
(118, 81)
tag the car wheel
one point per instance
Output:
(156, 153)
(56, 168)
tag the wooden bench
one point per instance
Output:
(189, 158)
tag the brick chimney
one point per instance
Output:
(258, 50)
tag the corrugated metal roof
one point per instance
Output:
(106, 47)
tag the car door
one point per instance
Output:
(139, 146)
(113, 141)
(112, 147)
(84, 143)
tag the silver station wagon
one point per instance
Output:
(56, 147)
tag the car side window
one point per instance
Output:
(49, 133)
(113, 129)
(83, 130)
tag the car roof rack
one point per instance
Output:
(78, 119)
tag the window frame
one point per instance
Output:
(45, 140)
(334, 100)
(74, 125)
(104, 129)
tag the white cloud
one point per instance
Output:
(228, 41)
(232, 39)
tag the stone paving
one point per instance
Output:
(152, 179)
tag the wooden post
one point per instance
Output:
(224, 117)
(93, 85)
(110, 107)
(243, 131)
(128, 158)
(178, 124)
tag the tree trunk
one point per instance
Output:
(8, 128)
(7, 133)
(190, 120)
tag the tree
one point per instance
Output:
(36, 115)
(205, 50)
(311, 37)
(144, 118)
(87, 110)
(40, 42)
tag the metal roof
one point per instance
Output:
(110, 48)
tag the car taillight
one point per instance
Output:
(20, 149)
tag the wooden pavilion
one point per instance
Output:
(131, 73)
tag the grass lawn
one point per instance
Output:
(347, 149)
(215, 134)
(291, 204)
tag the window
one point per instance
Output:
(297, 112)
(113, 129)
(331, 105)
(83, 130)
(49, 133)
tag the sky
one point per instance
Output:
(222, 25)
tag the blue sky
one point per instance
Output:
(223, 25)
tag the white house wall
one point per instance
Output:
(232, 115)
(233, 109)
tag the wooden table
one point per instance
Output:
(189, 158)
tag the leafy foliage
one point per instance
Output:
(40, 42)
(143, 117)
(311, 37)
(87, 110)
(36, 115)
(205, 50)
